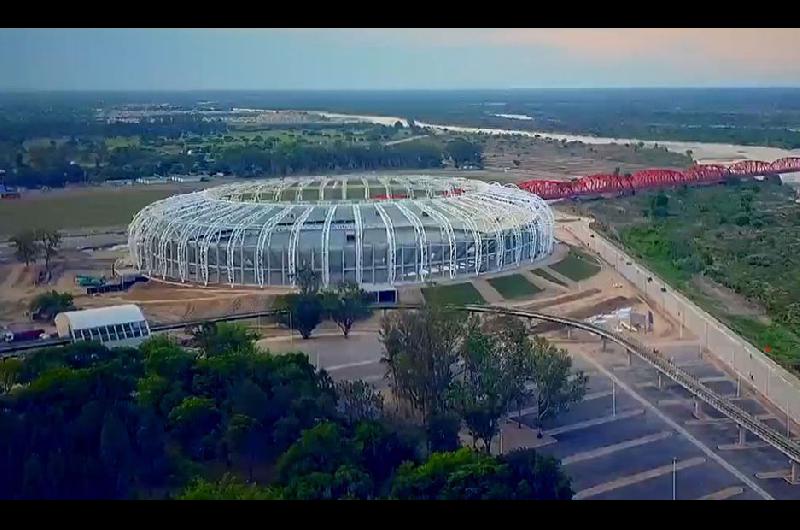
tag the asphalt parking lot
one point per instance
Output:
(620, 442)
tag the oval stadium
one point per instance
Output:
(376, 231)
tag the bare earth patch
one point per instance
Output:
(732, 303)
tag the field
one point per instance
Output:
(549, 277)
(456, 294)
(514, 286)
(576, 266)
(68, 209)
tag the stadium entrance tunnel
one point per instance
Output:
(372, 230)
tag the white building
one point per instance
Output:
(121, 325)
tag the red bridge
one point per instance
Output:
(656, 178)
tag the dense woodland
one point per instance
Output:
(743, 236)
(56, 146)
(220, 419)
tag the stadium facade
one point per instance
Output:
(376, 231)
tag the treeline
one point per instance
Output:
(55, 165)
(241, 161)
(31, 125)
(50, 143)
(303, 159)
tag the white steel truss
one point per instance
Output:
(419, 236)
(391, 242)
(294, 235)
(443, 227)
(359, 238)
(326, 246)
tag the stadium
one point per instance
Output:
(376, 231)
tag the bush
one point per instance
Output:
(47, 305)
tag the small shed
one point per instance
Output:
(120, 325)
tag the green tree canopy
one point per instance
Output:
(26, 246)
(346, 305)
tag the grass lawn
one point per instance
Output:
(116, 142)
(455, 294)
(79, 209)
(577, 266)
(514, 286)
(549, 277)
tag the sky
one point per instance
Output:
(395, 58)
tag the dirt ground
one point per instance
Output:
(542, 159)
(734, 304)
(161, 302)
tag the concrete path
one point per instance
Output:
(488, 292)
(721, 495)
(540, 282)
(560, 276)
(594, 421)
(614, 448)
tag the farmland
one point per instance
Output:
(82, 208)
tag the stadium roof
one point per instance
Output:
(103, 316)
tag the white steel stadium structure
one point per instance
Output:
(376, 231)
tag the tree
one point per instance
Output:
(464, 152)
(357, 401)
(659, 205)
(46, 306)
(555, 388)
(462, 475)
(228, 489)
(346, 305)
(217, 338)
(537, 476)
(10, 371)
(244, 437)
(383, 448)
(421, 348)
(192, 420)
(307, 280)
(50, 241)
(485, 388)
(321, 448)
(467, 475)
(398, 125)
(115, 450)
(442, 432)
(26, 246)
(510, 336)
(302, 312)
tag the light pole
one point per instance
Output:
(613, 398)
(674, 477)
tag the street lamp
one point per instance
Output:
(613, 398)
(674, 477)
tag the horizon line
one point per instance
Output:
(494, 89)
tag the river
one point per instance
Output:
(702, 152)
